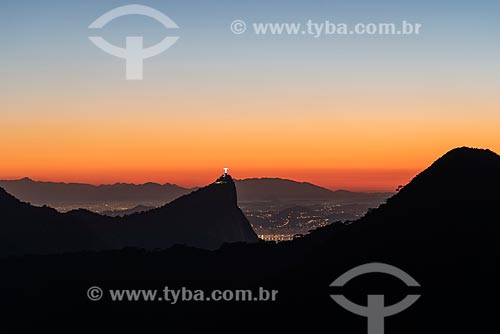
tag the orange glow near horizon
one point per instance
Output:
(354, 180)
(332, 139)
(352, 149)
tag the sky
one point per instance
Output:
(344, 112)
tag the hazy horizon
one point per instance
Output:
(189, 186)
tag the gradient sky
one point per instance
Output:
(352, 112)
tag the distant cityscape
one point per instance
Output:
(272, 221)
(285, 222)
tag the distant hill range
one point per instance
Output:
(55, 194)
(205, 218)
(272, 189)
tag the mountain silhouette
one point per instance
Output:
(56, 194)
(206, 218)
(29, 229)
(441, 228)
(450, 203)
(261, 189)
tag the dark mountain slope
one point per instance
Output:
(28, 229)
(453, 202)
(206, 218)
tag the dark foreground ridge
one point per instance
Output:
(205, 218)
(442, 229)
